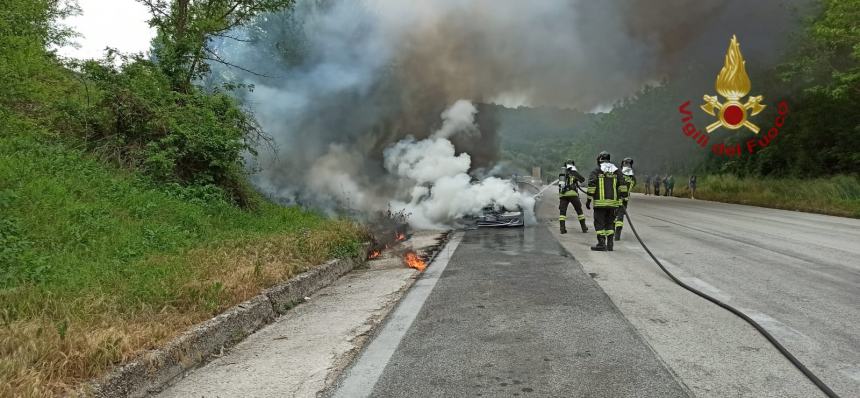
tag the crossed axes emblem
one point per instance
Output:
(713, 107)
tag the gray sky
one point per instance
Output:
(119, 24)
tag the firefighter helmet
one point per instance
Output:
(603, 157)
(627, 162)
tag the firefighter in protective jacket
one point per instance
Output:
(568, 183)
(606, 188)
(630, 179)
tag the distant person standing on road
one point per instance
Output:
(670, 185)
(606, 187)
(647, 185)
(692, 185)
(665, 182)
(568, 184)
(657, 181)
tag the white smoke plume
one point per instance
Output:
(445, 192)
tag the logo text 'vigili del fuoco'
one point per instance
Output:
(733, 113)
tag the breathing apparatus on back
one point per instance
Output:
(564, 181)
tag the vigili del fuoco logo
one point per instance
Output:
(732, 112)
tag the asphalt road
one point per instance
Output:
(796, 273)
(511, 314)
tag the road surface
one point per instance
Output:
(532, 313)
(512, 315)
(796, 273)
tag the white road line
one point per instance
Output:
(707, 288)
(786, 334)
(782, 331)
(852, 371)
(362, 377)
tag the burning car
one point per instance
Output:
(493, 216)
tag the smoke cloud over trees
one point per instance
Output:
(336, 83)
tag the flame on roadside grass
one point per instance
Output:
(413, 261)
(376, 253)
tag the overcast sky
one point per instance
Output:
(119, 24)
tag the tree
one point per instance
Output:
(28, 70)
(186, 29)
(826, 67)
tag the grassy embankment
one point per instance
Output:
(837, 195)
(97, 264)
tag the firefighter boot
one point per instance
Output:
(582, 224)
(601, 244)
(618, 233)
(609, 243)
(562, 227)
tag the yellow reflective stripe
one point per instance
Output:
(614, 188)
(581, 216)
(602, 187)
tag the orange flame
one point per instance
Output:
(413, 261)
(374, 254)
(400, 237)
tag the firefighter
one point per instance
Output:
(692, 185)
(666, 185)
(606, 187)
(630, 179)
(657, 181)
(568, 184)
(670, 185)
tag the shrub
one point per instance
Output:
(193, 138)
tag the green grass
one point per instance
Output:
(836, 195)
(97, 264)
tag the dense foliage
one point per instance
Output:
(820, 80)
(187, 29)
(34, 84)
(192, 138)
(824, 73)
(146, 114)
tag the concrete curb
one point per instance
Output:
(154, 369)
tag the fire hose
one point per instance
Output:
(788, 355)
